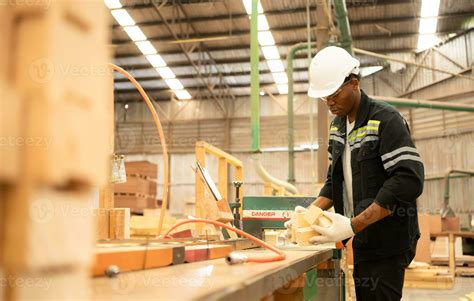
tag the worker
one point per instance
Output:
(374, 178)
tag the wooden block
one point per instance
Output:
(119, 223)
(324, 221)
(300, 220)
(303, 235)
(148, 225)
(423, 251)
(206, 252)
(11, 139)
(312, 214)
(106, 196)
(132, 258)
(450, 224)
(60, 68)
(47, 228)
(59, 285)
(188, 233)
(435, 223)
(101, 216)
(144, 168)
(271, 236)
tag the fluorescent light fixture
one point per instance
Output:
(174, 84)
(282, 89)
(275, 65)
(166, 72)
(429, 8)
(262, 23)
(428, 25)
(146, 47)
(113, 4)
(135, 33)
(265, 38)
(280, 78)
(426, 41)
(182, 94)
(270, 52)
(248, 7)
(366, 71)
(122, 17)
(156, 60)
(262, 93)
(126, 106)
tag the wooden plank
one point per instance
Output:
(223, 174)
(206, 252)
(312, 214)
(47, 228)
(303, 235)
(119, 223)
(219, 153)
(452, 255)
(423, 250)
(63, 75)
(132, 258)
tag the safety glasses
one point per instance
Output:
(338, 91)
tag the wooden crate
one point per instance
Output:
(144, 168)
(102, 223)
(60, 68)
(136, 203)
(47, 229)
(137, 185)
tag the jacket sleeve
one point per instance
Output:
(402, 164)
(326, 191)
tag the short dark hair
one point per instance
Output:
(352, 76)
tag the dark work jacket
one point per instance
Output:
(386, 169)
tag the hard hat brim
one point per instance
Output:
(317, 93)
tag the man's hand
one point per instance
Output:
(339, 230)
(289, 224)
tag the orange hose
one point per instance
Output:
(280, 256)
(149, 104)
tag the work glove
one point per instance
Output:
(289, 224)
(339, 230)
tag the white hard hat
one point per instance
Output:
(328, 69)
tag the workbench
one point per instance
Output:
(216, 280)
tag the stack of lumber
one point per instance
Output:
(139, 192)
(468, 297)
(52, 66)
(428, 276)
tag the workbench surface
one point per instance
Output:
(209, 280)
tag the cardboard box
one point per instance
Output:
(60, 65)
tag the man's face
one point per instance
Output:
(342, 101)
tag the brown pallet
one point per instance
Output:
(136, 185)
(145, 168)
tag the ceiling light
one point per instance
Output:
(113, 4)
(146, 47)
(366, 71)
(275, 65)
(280, 77)
(174, 84)
(262, 93)
(122, 17)
(182, 94)
(126, 106)
(166, 73)
(265, 38)
(135, 33)
(270, 52)
(429, 8)
(282, 89)
(248, 7)
(262, 23)
(156, 60)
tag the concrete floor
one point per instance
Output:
(462, 286)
